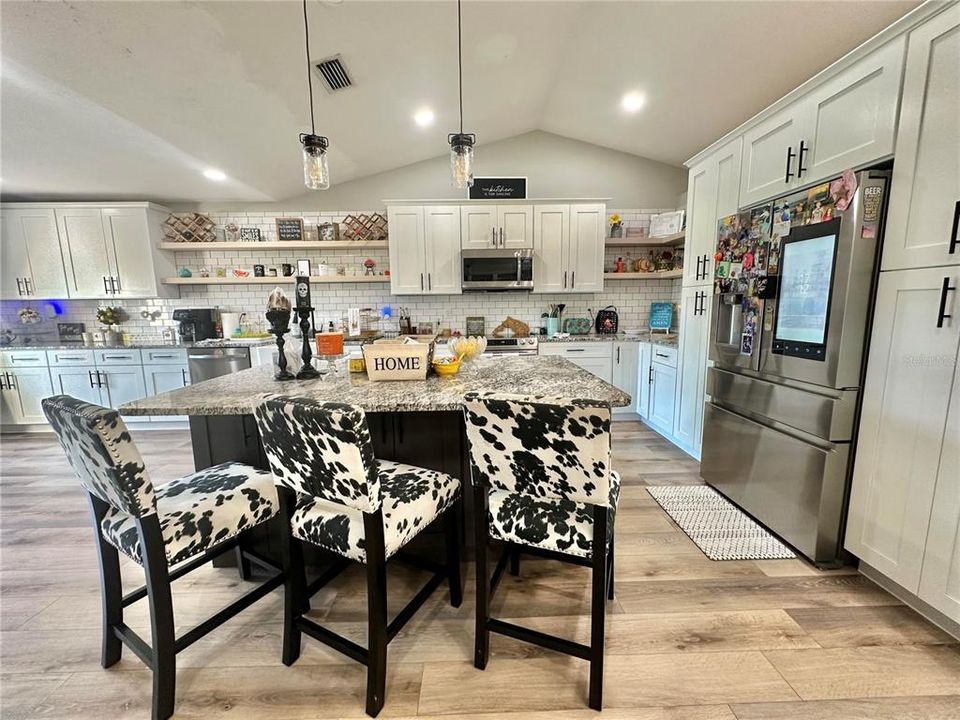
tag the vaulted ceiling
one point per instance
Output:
(136, 99)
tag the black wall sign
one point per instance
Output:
(491, 188)
(289, 228)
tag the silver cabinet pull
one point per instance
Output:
(115, 281)
(106, 285)
(493, 236)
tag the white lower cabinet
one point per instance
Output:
(594, 357)
(162, 378)
(644, 379)
(626, 357)
(81, 382)
(692, 368)
(121, 385)
(904, 512)
(663, 387)
(21, 391)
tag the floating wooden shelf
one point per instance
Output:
(251, 280)
(656, 241)
(275, 245)
(665, 275)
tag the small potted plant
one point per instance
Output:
(616, 226)
(110, 318)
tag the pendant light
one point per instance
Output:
(461, 143)
(316, 174)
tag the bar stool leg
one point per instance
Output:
(376, 612)
(515, 561)
(451, 526)
(111, 588)
(243, 564)
(295, 602)
(482, 634)
(161, 617)
(610, 566)
(598, 606)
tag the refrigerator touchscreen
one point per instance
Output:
(805, 278)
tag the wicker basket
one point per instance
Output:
(398, 359)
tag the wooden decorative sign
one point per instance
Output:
(290, 229)
(498, 188)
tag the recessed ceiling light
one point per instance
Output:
(632, 101)
(424, 117)
(214, 174)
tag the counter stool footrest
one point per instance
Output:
(137, 644)
(403, 617)
(550, 642)
(326, 577)
(337, 642)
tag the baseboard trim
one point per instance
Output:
(908, 598)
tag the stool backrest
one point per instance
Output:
(546, 447)
(102, 454)
(321, 449)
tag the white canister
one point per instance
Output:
(230, 321)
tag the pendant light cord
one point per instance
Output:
(306, 39)
(459, 62)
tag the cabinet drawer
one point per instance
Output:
(23, 358)
(117, 357)
(65, 358)
(165, 356)
(574, 350)
(665, 355)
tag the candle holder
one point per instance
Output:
(279, 325)
(307, 371)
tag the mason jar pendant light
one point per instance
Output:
(461, 143)
(316, 174)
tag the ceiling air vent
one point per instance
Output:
(333, 73)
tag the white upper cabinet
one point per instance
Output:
(769, 156)
(478, 227)
(902, 428)
(132, 237)
(441, 224)
(85, 254)
(587, 237)
(424, 249)
(701, 222)
(551, 244)
(515, 224)
(849, 121)
(728, 160)
(925, 192)
(30, 261)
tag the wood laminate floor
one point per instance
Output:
(687, 639)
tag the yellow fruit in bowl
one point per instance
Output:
(447, 365)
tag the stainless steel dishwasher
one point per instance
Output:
(210, 362)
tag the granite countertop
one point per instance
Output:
(227, 343)
(639, 336)
(239, 393)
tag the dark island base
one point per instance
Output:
(435, 440)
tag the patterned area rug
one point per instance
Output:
(717, 526)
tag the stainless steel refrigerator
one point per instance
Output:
(795, 283)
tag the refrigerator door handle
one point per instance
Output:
(790, 156)
(778, 427)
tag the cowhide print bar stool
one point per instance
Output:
(169, 530)
(543, 486)
(335, 494)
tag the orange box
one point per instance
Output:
(329, 343)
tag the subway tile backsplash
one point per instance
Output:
(632, 298)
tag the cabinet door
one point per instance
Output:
(644, 379)
(662, 393)
(85, 253)
(31, 252)
(940, 578)
(515, 226)
(727, 160)
(164, 378)
(587, 223)
(925, 193)
(599, 366)
(123, 384)
(128, 239)
(691, 368)
(406, 250)
(626, 357)
(478, 227)
(80, 382)
(21, 401)
(906, 393)
(441, 231)
(768, 168)
(701, 236)
(551, 246)
(851, 120)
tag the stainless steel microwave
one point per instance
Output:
(497, 269)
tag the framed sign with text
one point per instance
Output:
(498, 188)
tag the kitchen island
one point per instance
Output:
(417, 422)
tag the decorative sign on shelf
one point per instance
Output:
(498, 188)
(661, 316)
(328, 232)
(290, 229)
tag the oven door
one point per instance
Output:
(497, 269)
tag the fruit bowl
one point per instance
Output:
(447, 365)
(468, 347)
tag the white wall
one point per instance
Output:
(555, 167)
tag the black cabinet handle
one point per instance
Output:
(101, 379)
(3, 385)
(421, 282)
(618, 356)
(790, 156)
(493, 235)
(699, 260)
(573, 279)
(19, 286)
(956, 225)
(696, 304)
(941, 313)
(115, 281)
(90, 376)
(106, 285)
(27, 285)
(564, 279)
(800, 168)
(11, 381)
(706, 266)
(650, 376)
(429, 281)
(186, 380)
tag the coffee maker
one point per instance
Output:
(196, 324)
